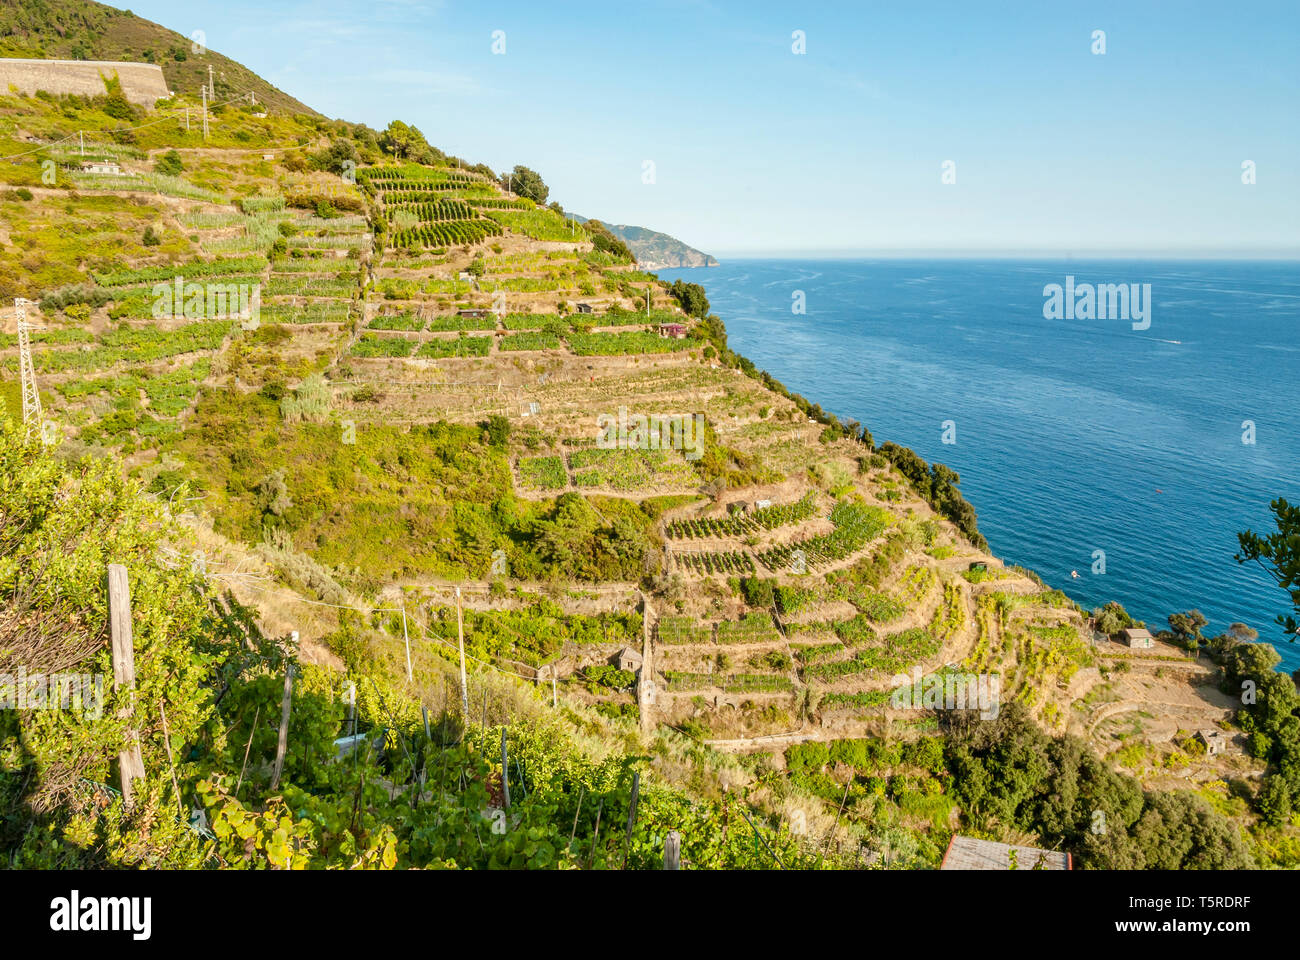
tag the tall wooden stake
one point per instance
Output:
(673, 851)
(130, 763)
(282, 744)
(591, 857)
(248, 746)
(460, 642)
(631, 816)
(171, 762)
(505, 768)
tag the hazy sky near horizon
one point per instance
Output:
(755, 148)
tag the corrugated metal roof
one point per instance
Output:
(968, 853)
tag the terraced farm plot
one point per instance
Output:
(628, 470)
(397, 321)
(535, 321)
(892, 655)
(841, 701)
(445, 233)
(679, 682)
(619, 344)
(813, 653)
(145, 183)
(856, 525)
(879, 607)
(531, 341)
(855, 631)
(528, 285)
(369, 346)
(131, 344)
(536, 634)
(917, 581)
(444, 323)
(742, 524)
(719, 561)
(455, 347)
(401, 288)
(190, 269)
(319, 311)
(297, 286)
(429, 211)
(543, 473)
(982, 657)
(681, 630)
(755, 683)
(619, 317)
(210, 221)
(329, 242)
(950, 618)
(538, 224)
(328, 266)
(751, 628)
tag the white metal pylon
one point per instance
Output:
(32, 416)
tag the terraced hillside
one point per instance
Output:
(794, 571)
(413, 388)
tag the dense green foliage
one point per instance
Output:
(434, 499)
(1010, 773)
(209, 686)
(529, 184)
(937, 484)
(692, 298)
(1279, 554)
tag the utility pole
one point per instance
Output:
(205, 113)
(212, 85)
(32, 415)
(81, 136)
(187, 119)
(460, 642)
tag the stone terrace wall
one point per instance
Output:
(142, 83)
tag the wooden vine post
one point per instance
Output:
(631, 816)
(673, 851)
(130, 762)
(286, 704)
(460, 643)
(505, 769)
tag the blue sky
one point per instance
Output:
(759, 150)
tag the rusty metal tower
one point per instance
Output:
(32, 415)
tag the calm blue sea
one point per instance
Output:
(1071, 435)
